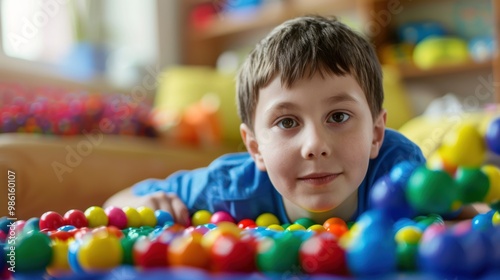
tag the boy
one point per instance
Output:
(310, 100)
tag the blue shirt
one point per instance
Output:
(234, 184)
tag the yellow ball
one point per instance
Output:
(266, 219)
(408, 234)
(100, 253)
(275, 227)
(59, 263)
(493, 174)
(148, 217)
(316, 228)
(496, 218)
(96, 217)
(201, 217)
(464, 147)
(133, 217)
(294, 227)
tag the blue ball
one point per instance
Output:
(391, 198)
(401, 172)
(482, 221)
(493, 136)
(477, 248)
(442, 255)
(163, 217)
(66, 228)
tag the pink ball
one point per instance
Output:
(116, 217)
(221, 216)
(461, 228)
(432, 231)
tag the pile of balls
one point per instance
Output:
(57, 111)
(98, 240)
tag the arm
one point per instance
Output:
(169, 202)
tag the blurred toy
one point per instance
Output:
(482, 48)
(414, 32)
(440, 51)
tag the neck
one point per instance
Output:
(345, 211)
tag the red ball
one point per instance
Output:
(116, 217)
(60, 235)
(247, 223)
(221, 216)
(76, 218)
(322, 254)
(230, 254)
(51, 220)
(150, 253)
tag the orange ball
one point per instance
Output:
(337, 229)
(333, 221)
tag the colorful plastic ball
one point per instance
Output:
(231, 254)
(472, 183)
(267, 219)
(322, 254)
(201, 217)
(163, 217)
(476, 247)
(76, 218)
(442, 255)
(493, 136)
(148, 217)
(279, 254)
(317, 228)
(59, 263)
(372, 252)
(338, 230)
(275, 227)
(150, 253)
(188, 251)
(96, 216)
(408, 234)
(133, 217)
(221, 216)
(493, 174)
(495, 220)
(390, 197)
(51, 220)
(407, 256)
(431, 191)
(4, 224)
(333, 220)
(294, 227)
(29, 260)
(116, 217)
(401, 172)
(32, 224)
(247, 223)
(483, 221)
(305, 222)
(100, 252)
(464, 147)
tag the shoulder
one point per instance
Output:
(398, 147)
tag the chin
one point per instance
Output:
(320, 208)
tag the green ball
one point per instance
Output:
(279, 254)
(431, 191)
(305, 222)
(127, 246)
(406, 254)
(33, 252)
(473, 185)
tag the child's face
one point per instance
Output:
(315, 140)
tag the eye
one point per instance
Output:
(287, 123)
(338, 117)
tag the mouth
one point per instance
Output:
(318, 179)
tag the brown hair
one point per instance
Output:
(301, 47)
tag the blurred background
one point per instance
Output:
(176, 60)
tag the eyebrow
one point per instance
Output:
(341, 97)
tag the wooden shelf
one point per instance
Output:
(409, 71)
(269, 15)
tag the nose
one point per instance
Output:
(315, 144)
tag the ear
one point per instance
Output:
(252, 146)
(378, 133)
